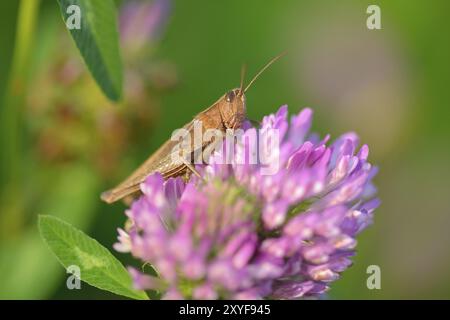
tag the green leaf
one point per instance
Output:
(69, 192)
(98, 266)
(98, 41)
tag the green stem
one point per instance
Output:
(11, 120)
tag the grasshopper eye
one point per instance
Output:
(230, 96)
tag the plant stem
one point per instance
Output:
(11, 120)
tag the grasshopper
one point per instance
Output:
(228, 112)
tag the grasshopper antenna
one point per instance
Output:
(264, 69)
(243, 71)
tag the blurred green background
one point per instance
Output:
(62, 142)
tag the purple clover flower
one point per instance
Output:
(140, 22)
(239, 234)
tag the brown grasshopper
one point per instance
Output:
(226, 113)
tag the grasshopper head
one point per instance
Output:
(232, 108)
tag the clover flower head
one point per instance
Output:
(241, 234)
(141, 22)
